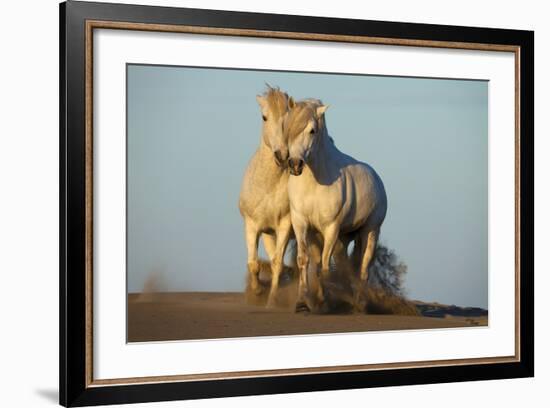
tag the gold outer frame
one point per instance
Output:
(100, 24)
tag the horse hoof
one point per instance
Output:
(322, 308)
(320, 297)
(301, 307)
(360, 306)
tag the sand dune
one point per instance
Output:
(207, 315)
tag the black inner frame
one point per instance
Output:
(72, 298)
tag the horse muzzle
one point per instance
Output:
(280, 158)
(296, 166)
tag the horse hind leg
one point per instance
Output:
(343, 275)
(369, 248)
(372, 241)
(357, 255)
(343, 263)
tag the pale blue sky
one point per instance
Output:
(191, 132)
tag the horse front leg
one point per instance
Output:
(277, 260)
(270, 243)
(302, 259)
(330, 237)
(253, 265)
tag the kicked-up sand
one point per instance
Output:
(210, 315)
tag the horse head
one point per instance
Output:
(274, 106)
(304, 128)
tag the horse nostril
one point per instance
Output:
(279, 156)
(296, 166)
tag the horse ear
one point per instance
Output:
(291, 103)
(321, 110)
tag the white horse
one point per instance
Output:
(330, 193)
(263, 201)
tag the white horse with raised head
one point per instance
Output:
(263, 200)
(332, 194)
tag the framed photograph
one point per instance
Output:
(257, 203)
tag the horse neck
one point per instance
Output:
(322, 156)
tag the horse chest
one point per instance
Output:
(318, 212)
(268, 205)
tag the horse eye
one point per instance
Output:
(264, 118)
(312, 131)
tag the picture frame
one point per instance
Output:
(79, 20)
